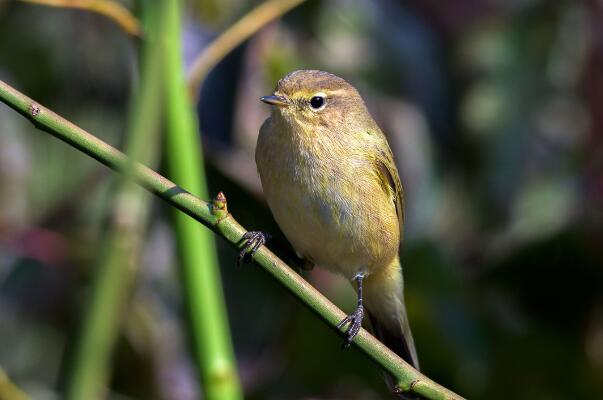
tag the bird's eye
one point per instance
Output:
(317, 102)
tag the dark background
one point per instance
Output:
(494, 110)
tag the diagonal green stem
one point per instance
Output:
(409, 380)
(198, 258)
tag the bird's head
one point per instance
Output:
(312, 99)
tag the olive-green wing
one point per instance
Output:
(388, 174)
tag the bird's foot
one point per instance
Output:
(307, 265)
(354, 320)
(252, 240)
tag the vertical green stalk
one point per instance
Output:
(114, 280)
(201, 277)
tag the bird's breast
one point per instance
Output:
(329, 204)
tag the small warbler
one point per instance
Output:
(330, 180)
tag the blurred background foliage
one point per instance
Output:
(494, 110)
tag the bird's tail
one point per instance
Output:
(384, 300)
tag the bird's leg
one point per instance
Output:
(252, 241)
(354, 319)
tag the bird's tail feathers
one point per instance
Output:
(384, 300)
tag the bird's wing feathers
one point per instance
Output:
(388, 174)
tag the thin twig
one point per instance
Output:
(216, 217)
(8, 389)
(110, 9)
(233, 37)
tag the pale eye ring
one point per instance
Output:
(318, 101)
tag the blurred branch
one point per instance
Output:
(110, 9)
(216, 217)
(115, 276)
(233, 37)
(8, 390)
(198, 258)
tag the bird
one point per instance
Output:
(331, 183)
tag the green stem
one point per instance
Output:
(115, 276)
(199, 262)
(409, 379)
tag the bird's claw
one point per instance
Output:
(253, 240)
(354, 320)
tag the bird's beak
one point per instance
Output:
(275, 100)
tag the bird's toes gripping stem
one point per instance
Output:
(354, 321)
(252, 240)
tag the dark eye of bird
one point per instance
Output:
(316, 102)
